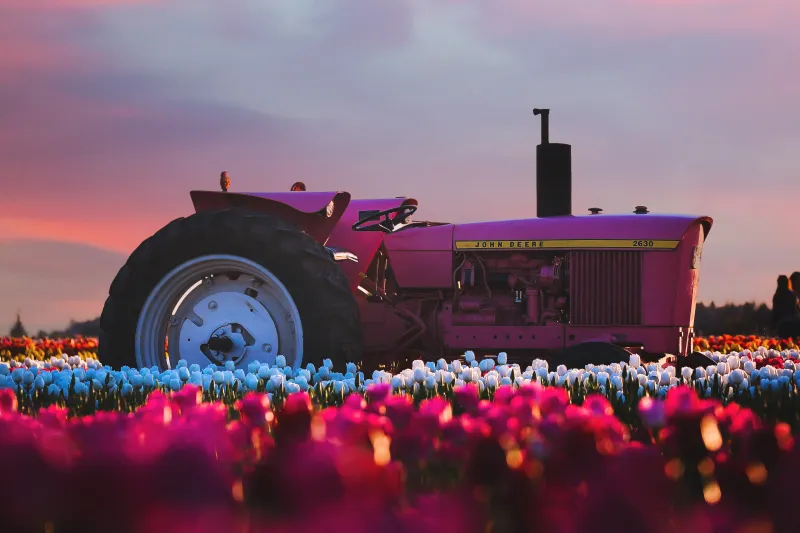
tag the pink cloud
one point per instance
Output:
(631, 18)
(32, 38)
(51, 282)
(120, 234)
(34, 5)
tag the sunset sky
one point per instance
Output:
(112, 111)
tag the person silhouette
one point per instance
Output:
(794, 281)
(224, 181)
(298, 186)
(785, 312)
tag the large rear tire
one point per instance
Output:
(253, 278)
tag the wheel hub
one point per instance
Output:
(231, 326)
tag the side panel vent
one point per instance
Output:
(605, 288)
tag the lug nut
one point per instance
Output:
(173, 320)
(256, 284)
(208, 281)
(267, 348)
(212, 305)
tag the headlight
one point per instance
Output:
(329, 210)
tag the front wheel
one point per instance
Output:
(694, 360)
(592, 352)
(232, 286)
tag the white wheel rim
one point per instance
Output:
(219, 296)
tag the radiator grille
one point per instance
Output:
(605, 288)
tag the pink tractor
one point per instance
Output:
(316, 275)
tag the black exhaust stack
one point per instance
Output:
(553, 173)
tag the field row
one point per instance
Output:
(457, 446)
(525, 460)
(11, 347)
(765, 380)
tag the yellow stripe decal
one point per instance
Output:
(606, 244)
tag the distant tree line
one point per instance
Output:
(88, 328)
(744, 319)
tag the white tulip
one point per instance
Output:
(736, 377)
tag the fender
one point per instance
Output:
(306, 210)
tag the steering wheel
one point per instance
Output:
(387, 225)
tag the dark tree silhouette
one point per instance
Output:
(18, 330)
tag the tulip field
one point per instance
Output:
(444, 446)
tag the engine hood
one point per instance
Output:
(590, 231)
